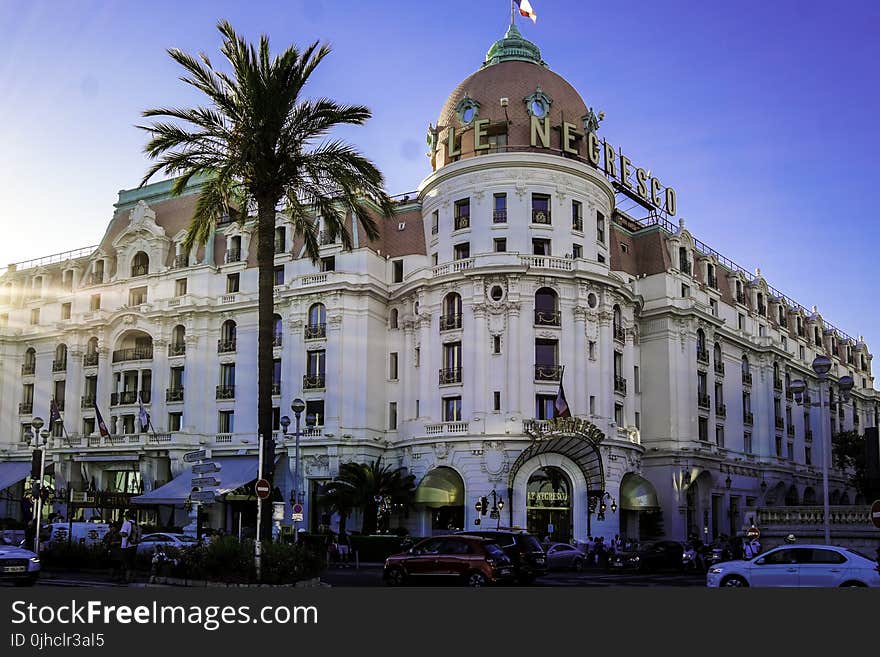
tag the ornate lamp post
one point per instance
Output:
(297, 406)
(39, 439)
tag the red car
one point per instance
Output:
(473, 560)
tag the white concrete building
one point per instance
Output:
(439, 347)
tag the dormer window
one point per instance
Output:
(140, 264)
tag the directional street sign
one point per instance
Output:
(875, 513)
(206, 496)
(192, 457)
(205, 481)
(206, 468)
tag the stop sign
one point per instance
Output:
(263, 489)
(875, 513)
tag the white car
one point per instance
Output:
(18, 565)
(798, 565)
(178, 541)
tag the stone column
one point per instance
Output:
(72, 413)
(577, 400)
(474, 358)
(518, 371)
(160, 374)
(430, 403)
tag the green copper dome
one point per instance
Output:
(513, 47)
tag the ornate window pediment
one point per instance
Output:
(538, 104)
(467, 111)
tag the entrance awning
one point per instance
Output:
(12, 473)
(637, 494)
(441, 487)
(235, 471)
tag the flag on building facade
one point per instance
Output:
(102, 428)
(560, 406)
(54, 413)
(525, 9)
(142, 414)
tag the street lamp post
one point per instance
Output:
(37, 425)
(297, 406)
(822, 366)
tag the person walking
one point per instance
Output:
(113, 546)
(131, 536)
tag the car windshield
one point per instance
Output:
(531, 543)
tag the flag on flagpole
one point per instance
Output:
(142, 414)
(525, 9)
(102, 428)
(560, 406)
(54, 413)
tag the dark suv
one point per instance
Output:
(473, 560)
(524, 550)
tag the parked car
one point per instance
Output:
(562, 556)
(525, 552)
(474, 560)
(18, 565)
(650, 557)
(801, 565)
(167, 540)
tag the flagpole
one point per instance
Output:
(512, 12)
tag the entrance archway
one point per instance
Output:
(548, 504)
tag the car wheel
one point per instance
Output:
(577, 565)
(476, 579)
(395, 577)
(734, 581)
(852, 585)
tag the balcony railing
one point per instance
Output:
(232, 255)
(325, 238)
(499, 217)
(225, 392)
(279, 247)
(620, 385)
(741, 298)
(703, 400)
(713, 282)
(450, 322)
(276, 339)
(25, 408)
(777, 385)
(762, 309)
(619, 333)
(435, 230)
(177, 349)
(790, 430)
(547, 372)
(747, 378)
(138, 353)
(95, 279)
(808, 435)
(315, 331)
(541, 216)
(180, 261)
(87, 401)
(313, 381)
(59, 404)
(450, 375)
(789, 395)
(720, 410)
(28, 369)
(702, 355)
(446, 428)
(139, 270)
(59, 365)
(686, 267)
(174, 394)
(276, 389)
(225, 346)
(719, 368)
(748, 417)
(779, 423)
(462, 222)
(90, 360)
(548, 318)
(577, 224)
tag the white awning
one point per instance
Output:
(235, 471)
(13, 472)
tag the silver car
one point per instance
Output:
(149, 542)
(18, 565)
(798, 565)
(562, 556)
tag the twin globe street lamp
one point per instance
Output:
(822, 366)
(297, 406)
(39, 439)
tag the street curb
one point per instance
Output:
(313, 583)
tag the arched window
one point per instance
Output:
(776, 380)
(178, 341)
(140, 264)
(451, 317)
(227, 337)
(60, 362)
(90, 358)
(393, 318)
(30, 361)
(791, 496)
(745, 365)
(617, 323)
(809, 497)
(317, 326)
(702, 352)
(276, 330)
(716, 354)
(546, 307)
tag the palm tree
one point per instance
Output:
(367, 485)
(259, 146)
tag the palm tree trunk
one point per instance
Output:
(265, 324)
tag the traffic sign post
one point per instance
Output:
(206, 468)
(205, 481)
(875, 513)
(203, 496)
(200, 455)
(262, 489)
(298, 515)
(753, 532)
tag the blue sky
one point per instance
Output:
(761, 115)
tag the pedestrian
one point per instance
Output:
(131, 536)
(112, 542)
(747, 552)
(756, 546)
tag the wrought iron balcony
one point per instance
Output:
(808, 435)
(233, 255)
(90, 359)
(779, 422)
(577, 224)
(225, 346)
(177, 349)
(450, 375)
(174, 394)
(139, 270)
(789, 395)
(450, 322)
(741, 298)
(324, 238)
(313, 381)
(720, 410)
(59, 365)
(719, 368)
(435, 230)
(181, 261)
(95, 279)
(25, 408)
(462, 222)
(138, 353)
(279, 247)
(548, 318)
(276, 389)
(547, 372)
(620, 384)
(225, 392)
(713, 282)
(703, 400)
(619, 333)
(702, 354)
(686, 267)
(747, 378)
(59, 404)
(762, 309)
(276, 339)
(28, 369)
(748, 417)
(777, 384)
(790, 430)
(541, 216)
(87, 401)
(314, 331)
(499, 217)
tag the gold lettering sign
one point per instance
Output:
(479, 133)
(655, 190)
(547, 496)
(609, 159)
(593, 150)
(642, 179)
(569, 134)
(624, 171)
(451, 150)
(541, 129)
